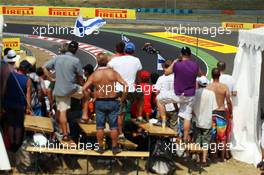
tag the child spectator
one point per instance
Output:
(143, 105)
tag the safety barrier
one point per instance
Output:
(239, 25)
(55, 11)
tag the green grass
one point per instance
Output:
(180, 4)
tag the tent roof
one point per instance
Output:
(252, 38)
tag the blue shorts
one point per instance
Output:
(107, 109)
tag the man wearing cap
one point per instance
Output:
(185, 71)
(128, 67)
(204, 104)
(68, 72)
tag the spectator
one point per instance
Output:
(16, 101)
(119, 50)
(88, 70)
(4, 74)
(128, 67)
(165, 84)
(106, 104)
(63, 49)
(219, 123)
(37, 88)
(68, 71)
(46, 106)
(142, 105)
(261, 163)
(154, 78)
(225, 78)
(185, 72)
(229, 81)
(204, 104)
(6, 50)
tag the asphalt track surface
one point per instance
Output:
(107, 41)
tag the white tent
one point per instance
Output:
(248, 73)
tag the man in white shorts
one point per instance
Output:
(164, 85)
(185, 72)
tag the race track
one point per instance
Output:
(107, 41)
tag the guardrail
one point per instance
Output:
(55, 11)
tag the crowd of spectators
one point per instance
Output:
(118, 90)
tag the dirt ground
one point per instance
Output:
(41, 56)
(231, 167)
(77, 165)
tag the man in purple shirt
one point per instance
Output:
(185, 72)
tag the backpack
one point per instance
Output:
(25, 161)
(161, 159)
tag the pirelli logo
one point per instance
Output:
(64, 11)
(204, 43)
(107, 13)
(195, 41)
(18, 10)
(236, 26)
(256, 25)
(11, 44)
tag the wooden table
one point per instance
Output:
(156, 130)
(38, 124)
(90, 130)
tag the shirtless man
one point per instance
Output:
(106, 101)
(219, 123)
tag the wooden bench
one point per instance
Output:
(38, 124)
(39, 150)
(90, 130)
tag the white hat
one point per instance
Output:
(11, 57)
(202, 81)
